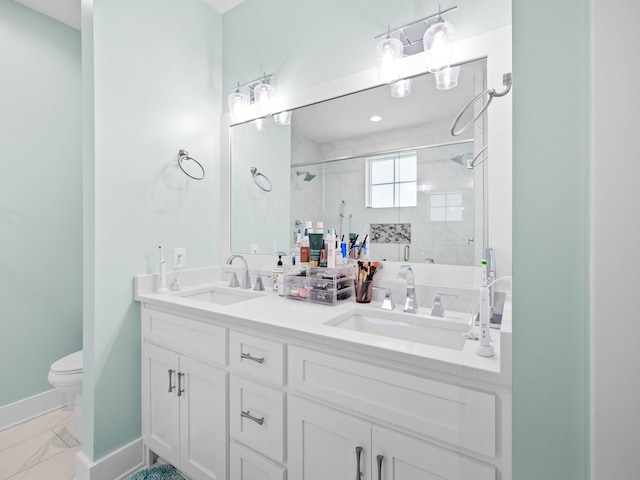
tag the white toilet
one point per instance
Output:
(66, 375)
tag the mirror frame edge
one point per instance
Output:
(496, 46)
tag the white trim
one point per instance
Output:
(114, 466)
(31, 407)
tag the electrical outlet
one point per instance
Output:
(179, 258)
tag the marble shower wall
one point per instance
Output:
(448, 242)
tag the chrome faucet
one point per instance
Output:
(438, 309)
(387, 303)
(410, 302)
(245, 280)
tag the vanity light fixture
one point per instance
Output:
(388, 55)
(431, 34)
(447, 78)
(238, 105)
(259, 124)
(283, 118)
(257, 103)
(263, 94)
(375, 118)
(438, 44)
(401, 88)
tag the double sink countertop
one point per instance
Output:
(415, 339)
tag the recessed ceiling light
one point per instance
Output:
(376, 118)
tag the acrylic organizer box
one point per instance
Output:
(323, 285)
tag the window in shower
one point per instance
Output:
(392, 180)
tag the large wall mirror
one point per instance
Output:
(366, 164)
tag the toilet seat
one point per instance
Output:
(69, 365)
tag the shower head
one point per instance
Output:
(307, 176)
(462, 158)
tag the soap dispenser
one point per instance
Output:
(278, 276)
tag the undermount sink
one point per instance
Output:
(403, 326)
(219, 295)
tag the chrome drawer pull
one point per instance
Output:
(248, 415)
(248, 356)
(379, 458)
(358, 455)
(171, 387)
(180, 389)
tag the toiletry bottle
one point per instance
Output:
(331, 250)
(323, 254)
(343, 253)
(298, 245)
(308, 226)
(319, 227)
(305, 251)
(278, 276)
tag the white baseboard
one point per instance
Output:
(28, 408)
(114, 466)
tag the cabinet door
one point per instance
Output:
(322, 443)
(160, 404)
(407, 458)
(203, 426)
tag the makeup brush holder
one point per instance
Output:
(364, 290)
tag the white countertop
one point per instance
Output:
(304, 320)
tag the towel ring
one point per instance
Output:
(474, 161)
(260, 179)
(184, 155)
(491, 93)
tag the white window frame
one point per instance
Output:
(396, 156)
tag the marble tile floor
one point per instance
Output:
(39, 449)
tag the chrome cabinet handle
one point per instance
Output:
(358, 455)
(171, 387)
(379, 458)
(248, 415)
(180, 389)
(247, 356)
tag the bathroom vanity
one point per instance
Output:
(246, 385)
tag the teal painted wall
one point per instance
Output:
(40, 198)
(551, 175)
(153, 86)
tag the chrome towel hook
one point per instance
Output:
(183, 155)
(491, 93)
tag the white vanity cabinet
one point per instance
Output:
(184, 398)
(327, 443)
(382, 410)
(225, 400)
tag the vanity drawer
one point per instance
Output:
(257, 417)
(459, 416)
(185, 335)
(247, 465)
(257, 357)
